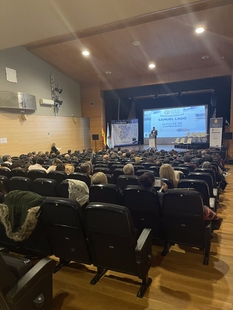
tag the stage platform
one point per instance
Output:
(194, 146)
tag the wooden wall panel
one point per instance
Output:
(231, 118)
(37, 133)
(91, 93)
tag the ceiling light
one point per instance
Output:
(85, 53)
(108, 72)
(151, 65)
(205, 57)
(200, 30)
(136, 43)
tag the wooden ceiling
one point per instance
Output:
(167, 38)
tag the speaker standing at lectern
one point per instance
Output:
(154, 132)
(152, 138)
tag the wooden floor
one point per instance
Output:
(179, 280)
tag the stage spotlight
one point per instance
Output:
(59, 90)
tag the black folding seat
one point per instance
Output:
(145, 208)
(190, 167)
(147, 165)
(110, 193)
(138, 167)
(59, 176)
(110, 178)
(183, 169)
(210, 171)
(101, 169)
(207, 178)
(115, 166)
(202, 187)
(81, 176)
(142, 171)
(116, 173)
(115, 245)
(20, 183)
(5, 172)
(125, 180)
(34, 174)
(155, 169)
(18, 172)
(63, 222)
(5, 181)
(23, 286)
(184, 223)
(45, 187)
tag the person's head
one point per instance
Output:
(85, 168)
(60, 167)
(128, 169)
(67, 156)
(187, 158)
(166, 171)
(147, 179)
(99, 178)
(69, 168)
(40, 160)
(206, 164)
(106, 157)
(7, 158)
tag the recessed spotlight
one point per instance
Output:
(200, 30)
(136, 43)
(108, 72)
(85, 53)
(151, 65)
(205, 57)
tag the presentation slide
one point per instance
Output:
(176, 122)
(124, 132)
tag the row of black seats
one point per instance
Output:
(103, 236)
(62, 224)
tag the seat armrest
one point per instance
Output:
(212, 202)
(215, 192)
(143, 253)
(44, 266)
(143, 239)
(208, 231)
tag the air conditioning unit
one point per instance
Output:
(49, 102)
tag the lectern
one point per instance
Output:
(152, 141)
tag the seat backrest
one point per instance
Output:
(144, 207)
(81, 176)
(203, 176)
(34, 174)
(5, 181)
(101, 169)
(63, 189)
(45, 187)
(208, 170)
(199, 185)
(155, 169)
(105, 193)
(59, 176)
(63, 222)
(112, 237)
(15, 172)
(138, 167)
(20, 183)
(5, 172)
(183, 169)
(183, 217)
(124, 180)
(190, 167)
(116, 173)
(115, 166)
(142, 171)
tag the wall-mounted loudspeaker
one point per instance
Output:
(95, 137)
